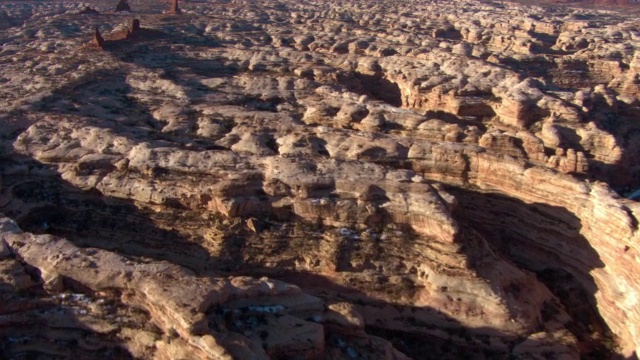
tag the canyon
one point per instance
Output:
(319, 180)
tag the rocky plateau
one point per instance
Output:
(230, 179)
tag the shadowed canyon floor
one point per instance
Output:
(319, 180)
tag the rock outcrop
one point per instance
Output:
(123, 5)
(89, 11)
(320, 180)
(189, 316)
(98, 40)
(175, 9)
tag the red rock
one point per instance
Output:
(174, 7)
(98, 40)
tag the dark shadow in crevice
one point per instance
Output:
(48, 204)
(39, 325)
(41, 202)
(379, 88)
(547, 241)
(375, 86)
(121, 226)
(105, 99)
(90, 219)
(414, 337)
(454, 119)
(440, 337)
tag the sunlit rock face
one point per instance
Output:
(319, 180)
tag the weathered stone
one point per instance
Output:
(123, 5)
(443, 175)
(98, 40)
(174, 9)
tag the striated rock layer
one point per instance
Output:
(322, 180)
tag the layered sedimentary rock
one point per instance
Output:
(321, 181)
(190, 317)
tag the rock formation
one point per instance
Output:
(89, 11)
(98, 40)
(597, 3)
(123, 5)
(175, 9)
(135, 32)
(320, 180)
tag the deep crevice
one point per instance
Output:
(524, 233)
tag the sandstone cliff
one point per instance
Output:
(319, 180)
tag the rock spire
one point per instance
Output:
(123, 5)
(98, 40)
(175, 9)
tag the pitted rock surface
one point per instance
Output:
(319, 180)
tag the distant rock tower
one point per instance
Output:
(98, 40)
(174, 7)
(135, 25)
(135, 28)
(123, 5)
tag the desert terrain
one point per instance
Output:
(405, 179)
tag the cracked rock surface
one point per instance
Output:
(319, 180)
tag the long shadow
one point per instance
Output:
(155, 53)
(416, 338)
(48, 204)
(537, 237)
(38, 324)
(60, 208)
(545, 240)
(375, 86)
(91, 219)
(419, 332)
(40, 201)
(102, 99)
(105, 99)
